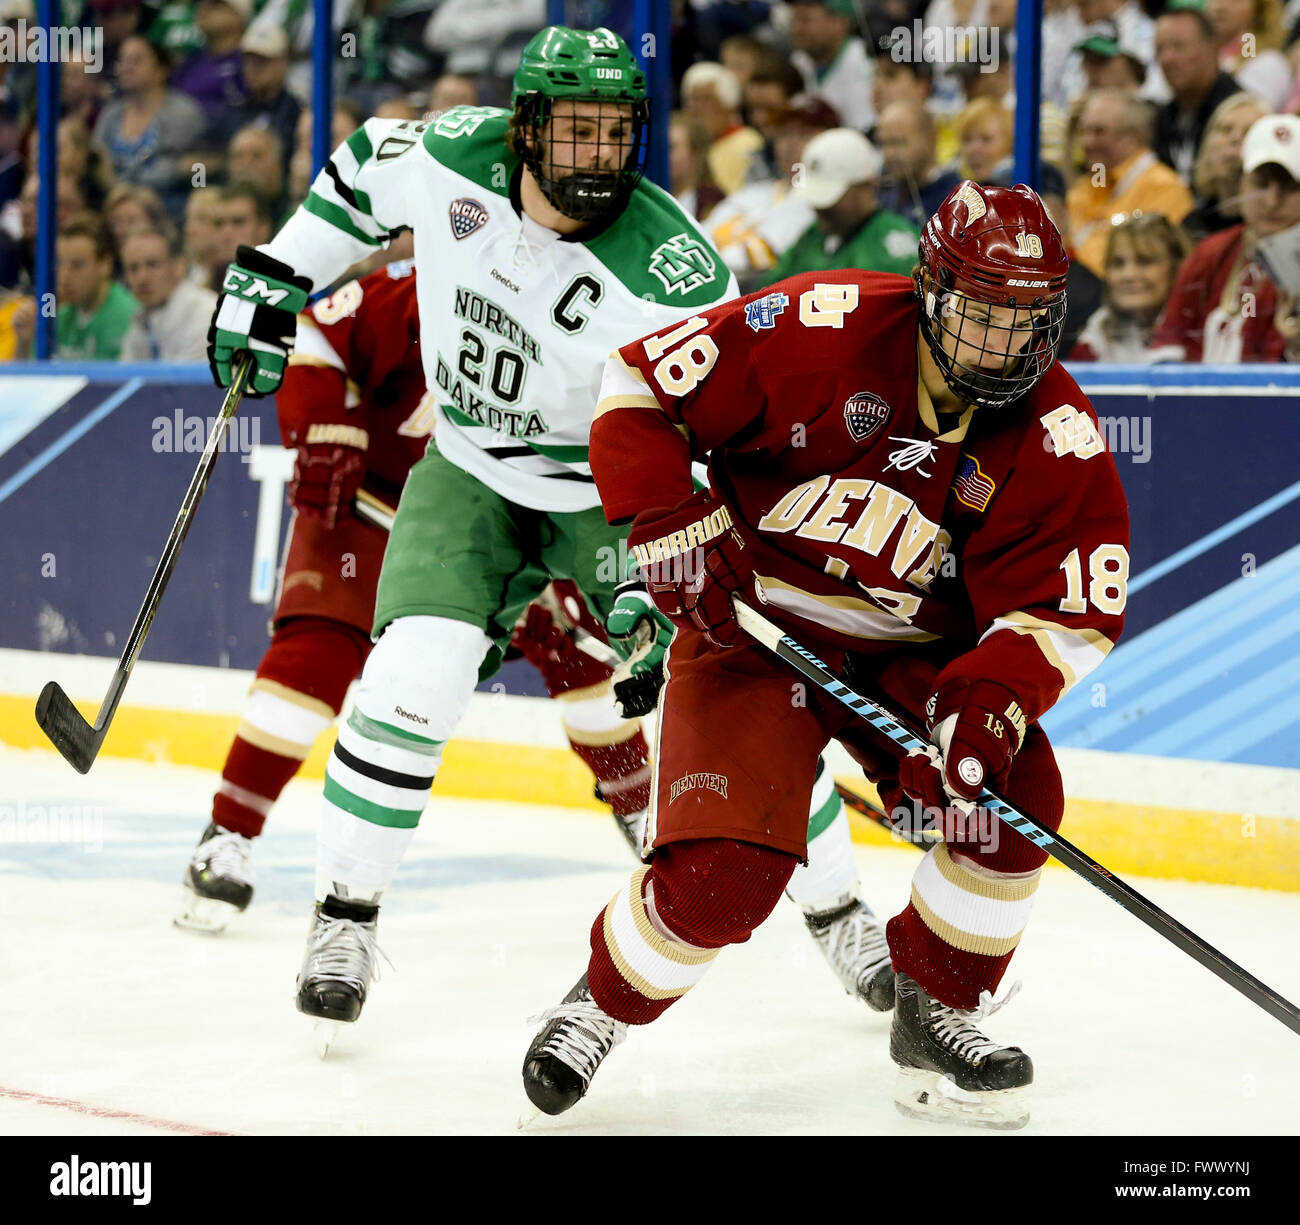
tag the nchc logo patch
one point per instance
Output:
(864, 414)
(466, 216)
(762, 312)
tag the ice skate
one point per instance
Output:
(218, 881)
(340, 960)
(853, 942)
(949, 1072)
(568, 1049)
(631, 825)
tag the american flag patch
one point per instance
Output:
(971, 485)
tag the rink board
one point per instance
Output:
(93, 462)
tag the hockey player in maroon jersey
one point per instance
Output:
(354, 406)
(904, 478)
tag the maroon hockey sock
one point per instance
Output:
(652, 943)
(952, 937)
(300, 686)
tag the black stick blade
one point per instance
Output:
(61, 721)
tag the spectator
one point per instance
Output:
(712, 95)
(1062, 72)
(688, 145)
(914, 186)
(984, 139)
(150, 126)
(82, 90)
(127, 208)
(1143, 255)
(1106, 64)
(265, 65)
(118, 19)
(93, 310)
(80, 158)
(1222, 305)
(836, 64)
(742, 55)
(1250, 35)
(256, 158)
(1216, 179)
(396, 108)
(203, 237)
(243, 220)
(11, 166)
(754, 226)
(841, 172)
(450, 90)
(1122, 175)
(172, 322)
(912, 80)
(175, 29)
(18, 223)
(214, 77)
(768, 93)
(1188, 55)
(476, 36)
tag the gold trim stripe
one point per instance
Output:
(272, 744)
(602, 740)
(641, 985)
(669, 950)
(1041, 631)
(971, 882)
(599, 690)
(847, 603)
(610, 403)
(284, 693)
(967, 942)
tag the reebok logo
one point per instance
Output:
(121, 1178)
(406, 714)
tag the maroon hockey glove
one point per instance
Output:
(330, 467)
(976, 727)
(691, 559)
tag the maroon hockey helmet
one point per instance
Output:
(997, 271)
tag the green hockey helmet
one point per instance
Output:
(572, 167)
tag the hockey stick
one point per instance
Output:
(908, 739)
(59, 719)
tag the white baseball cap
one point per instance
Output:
(833, 162)
(1273, 138)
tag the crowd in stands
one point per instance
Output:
(805, 135)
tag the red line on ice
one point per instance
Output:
(102, 1112)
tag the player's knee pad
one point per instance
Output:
(715, 891)
(421, 673)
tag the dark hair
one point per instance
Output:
(1203, 23)
(247, 191)
(160, 54)
(87, 225)
(774, 70)
(167, 232)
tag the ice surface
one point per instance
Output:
(107, 1008)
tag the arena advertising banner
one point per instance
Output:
(93, 466)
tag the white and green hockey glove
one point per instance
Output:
(641, 634)
(257, 314)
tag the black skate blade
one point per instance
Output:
(63, 724)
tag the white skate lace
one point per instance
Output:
(584, 1036)
(953, 1028)
(227, 855)
(344, 950)
(858, 946)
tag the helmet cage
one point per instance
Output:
(948, 307)
(581, 193)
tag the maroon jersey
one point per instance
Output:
(871, 525)
(356, 367)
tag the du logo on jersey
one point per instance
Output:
(466, 216)
(683, 263)
(762, 312)
(864, 414)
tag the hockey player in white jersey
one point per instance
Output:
(540, 249)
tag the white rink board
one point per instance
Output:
(109, 1008)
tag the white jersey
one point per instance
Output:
(516, 321)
